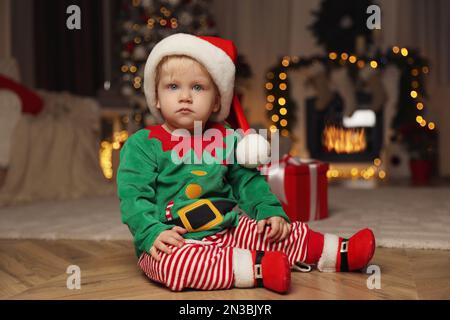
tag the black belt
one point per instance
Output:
(258, 269)
(203, 214)
(344, 255)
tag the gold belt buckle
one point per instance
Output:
(183, 211)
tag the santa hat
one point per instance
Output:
(219, 57)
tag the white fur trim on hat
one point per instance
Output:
(328, 259)
(243, 268)
(215, 60)
(253, 150)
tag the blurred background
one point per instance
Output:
(359, 91)
(371, 102)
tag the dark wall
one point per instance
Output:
(68, 60)
(22, 38)
(54, 58)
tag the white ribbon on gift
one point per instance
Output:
(313, 191)
(275, 178)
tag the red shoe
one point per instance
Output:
(341, 255)
(268, 269)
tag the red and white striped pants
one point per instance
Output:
(207, 264)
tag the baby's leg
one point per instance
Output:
(210, 265)
(305, 245)
(245, 236)
(195, 265)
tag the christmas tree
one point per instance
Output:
(339, 24)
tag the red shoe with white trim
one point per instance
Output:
(341, 255)
(268, 269)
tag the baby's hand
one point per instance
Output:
(172, 236)
(280, 228)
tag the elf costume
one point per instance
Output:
(161, 185)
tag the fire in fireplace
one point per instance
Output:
(344, 140)
(332, 137)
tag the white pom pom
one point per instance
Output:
(253, 150)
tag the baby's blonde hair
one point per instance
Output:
(174, 63)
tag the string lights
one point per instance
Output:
(415, 73)
(280, 119)
(373, 171)
(106, 151)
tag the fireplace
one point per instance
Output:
(334, 138)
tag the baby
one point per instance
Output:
(211, 224)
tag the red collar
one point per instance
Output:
(169, 141)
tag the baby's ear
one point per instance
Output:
(217, 104)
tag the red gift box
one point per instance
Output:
(301, 186)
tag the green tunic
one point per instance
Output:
(148, 179)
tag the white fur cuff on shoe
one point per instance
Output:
(327, 261)
(243, 268)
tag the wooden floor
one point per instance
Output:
(36, 269)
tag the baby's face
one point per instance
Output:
(186, 93)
